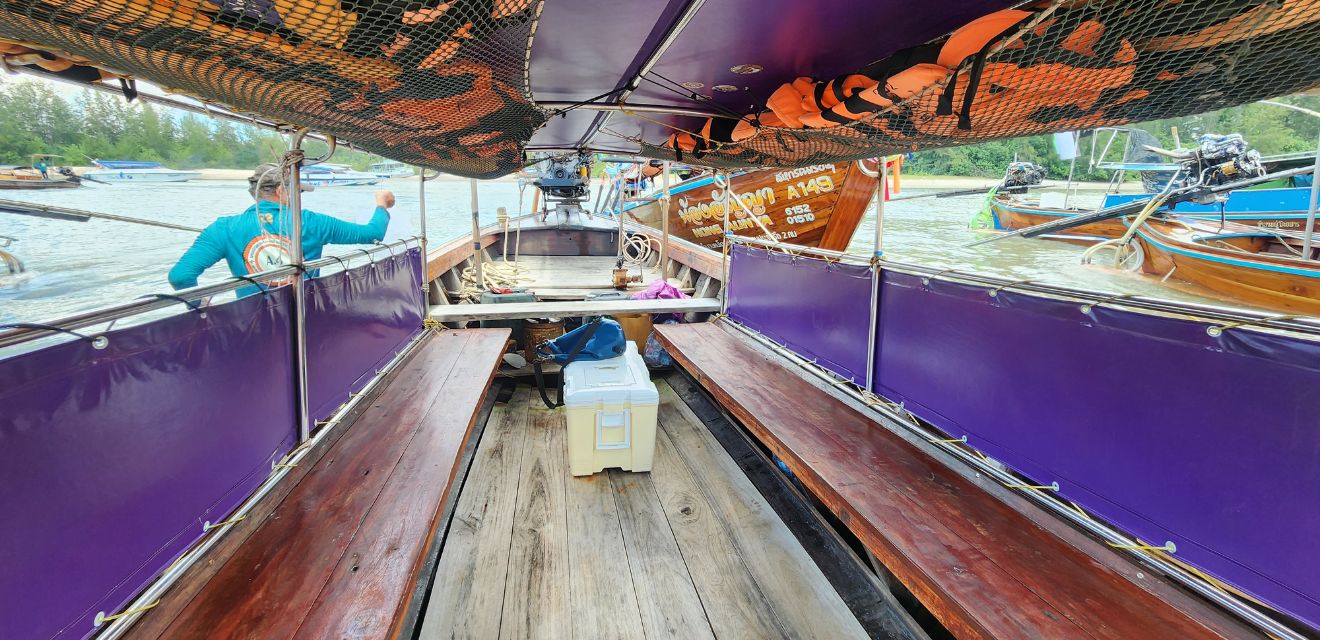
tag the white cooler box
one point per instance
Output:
(611, 407)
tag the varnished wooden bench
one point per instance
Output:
(338, 549)
(985, 562)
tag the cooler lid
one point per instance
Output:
(620, 380)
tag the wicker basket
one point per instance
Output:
(537, 331)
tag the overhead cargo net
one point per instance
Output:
(1052, 66)
(438, 84)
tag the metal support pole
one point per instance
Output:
(881, 191)
(727, 247)
(293, 191)
(476, 237)
(421, 204)
(877, 252)
(1310, 210)
(664, 222)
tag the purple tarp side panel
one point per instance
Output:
(1212, 443)
(816, 308)
(357, 320)
(111, 460)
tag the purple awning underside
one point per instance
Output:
(817, 309)
(358, 320)
(574, 59)
(111, 460)
(1148, 422)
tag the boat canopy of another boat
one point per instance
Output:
(469, 87)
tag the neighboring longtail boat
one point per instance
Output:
(818, 206)
(1250, 265)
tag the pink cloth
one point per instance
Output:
(661, 290)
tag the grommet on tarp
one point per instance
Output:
(1216, 331)
(207, 526)
(98, 342)
(1086, 308)
(994, 293)
(101, 618)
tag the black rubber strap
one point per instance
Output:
(261, 287)
(47, 327)
(572, 355)
(191, 304)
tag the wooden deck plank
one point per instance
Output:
(982, 567)
(804, 601)
(570, 309)
(602, 597)
(374, 579)
(536, 593)
(734, 604)
(667, 599)
(466, 601)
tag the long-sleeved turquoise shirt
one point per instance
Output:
(257, 240)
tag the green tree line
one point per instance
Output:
(34, 119)
(1269, 129)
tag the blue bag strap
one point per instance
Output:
(589, 331)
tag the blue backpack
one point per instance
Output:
(600, 339)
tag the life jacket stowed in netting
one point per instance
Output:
(683, 142)
(904, 74)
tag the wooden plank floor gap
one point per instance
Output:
(690, 550)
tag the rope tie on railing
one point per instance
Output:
(962, 440)
(1216, 331)
(431, 324)
(101, 618)
(207, 526)
(1053, 486)
(265, 291)
(1086, 308)
(926, 279)
(192, 305)
(98, 342)
(1168, 547)
(994, 293)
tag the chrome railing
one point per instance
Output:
(108, 315)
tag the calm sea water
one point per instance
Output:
(79, 266)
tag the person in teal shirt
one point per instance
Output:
(258, 239)
(43, 168)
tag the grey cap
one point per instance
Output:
(266, 177)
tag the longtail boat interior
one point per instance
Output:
(757, 430)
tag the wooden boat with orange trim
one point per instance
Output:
(818, 206)
(1251, 265)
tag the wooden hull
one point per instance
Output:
(1012, 216)
(1231, 263)
(818, 206)
(37, 184)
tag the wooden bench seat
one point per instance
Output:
(337, 550)
(984, 561)
(570, 309)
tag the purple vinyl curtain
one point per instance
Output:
(357, 321)
(818, 309)
(1153, 424)
(1212, 443)
(112, 460)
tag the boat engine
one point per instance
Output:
(1021, 175)
(1219, 159)
(565, 178)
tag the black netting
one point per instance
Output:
(1067, 66)
(442, 83)
(433, 83)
